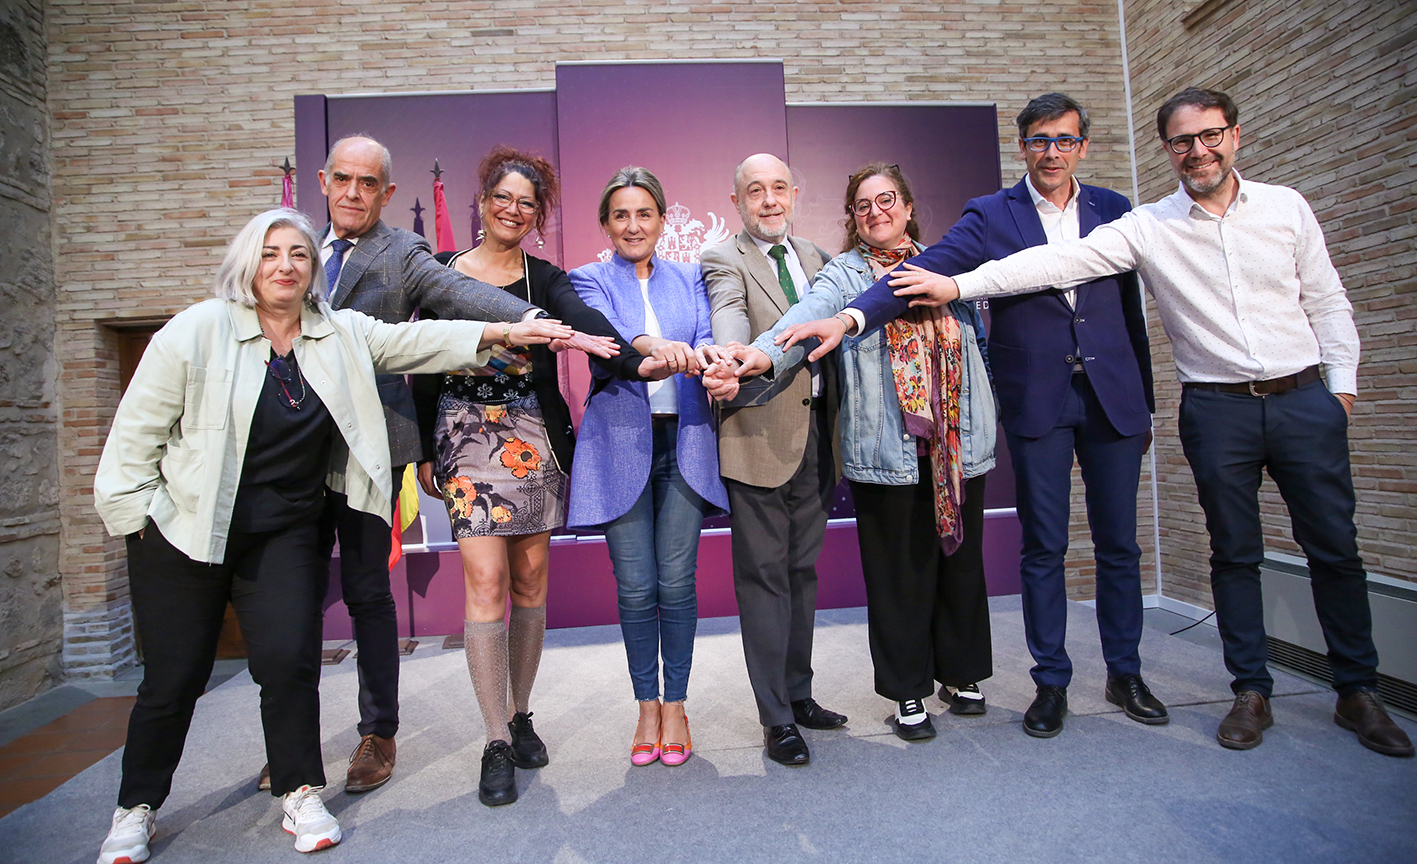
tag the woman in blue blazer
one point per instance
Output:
(647, 457)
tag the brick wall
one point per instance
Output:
(29, 488)
(1325, 93)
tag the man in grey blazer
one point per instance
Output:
(775, 452)
(386, 273)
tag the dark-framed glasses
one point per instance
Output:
(1208, 137)
(883, 202)
(525, 205)
(1064, 143)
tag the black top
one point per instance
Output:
(287, 453)
(495, 387)
(550, 289)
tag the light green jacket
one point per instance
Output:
(179, 438)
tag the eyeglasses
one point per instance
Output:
(883, 201)
(1064, 143)
(525, 205)
(1208, 137)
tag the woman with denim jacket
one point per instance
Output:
(917, 437)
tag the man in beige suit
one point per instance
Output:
(775, 455)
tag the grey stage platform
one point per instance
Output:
(1107, 789)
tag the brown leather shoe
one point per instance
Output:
(1243, 728)
(263, 780)
(370, 765)
(1362, 712)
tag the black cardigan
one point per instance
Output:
(550, 289)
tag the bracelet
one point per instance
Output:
(507, 335)
(845, 319)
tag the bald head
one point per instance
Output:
(356, 184)
(764, 195)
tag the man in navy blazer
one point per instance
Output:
(1073, 374)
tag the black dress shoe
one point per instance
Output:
(498, 785)
(1135, 698)
(528, 751)
(784, 745)
(1044, 718)
(806, 712)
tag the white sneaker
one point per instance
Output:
(128, 838)
(306, 817)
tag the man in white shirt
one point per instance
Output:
(1259, 322)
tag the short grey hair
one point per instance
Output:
(237, 275)
(386, 160)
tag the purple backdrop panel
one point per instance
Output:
(311, 147)
(456, 129)
(689, 123)
(949, 153)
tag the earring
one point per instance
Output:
(481, 233)
(540, 241)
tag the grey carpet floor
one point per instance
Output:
(1107, 789)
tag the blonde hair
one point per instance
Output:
(237, 274)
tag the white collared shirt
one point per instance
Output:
(800, 284)
(1247, 296)
(1059, 226)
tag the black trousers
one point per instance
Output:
(365, 542)
(927, 613)
(276, 581)
(1301, 438)
(777, 536)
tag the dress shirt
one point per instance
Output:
(1247, 296)
(799, 281)
(1059, 226)
(662, 399)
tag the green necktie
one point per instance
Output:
(779, 254)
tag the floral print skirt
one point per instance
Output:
(496, 469)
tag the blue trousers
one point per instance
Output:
(1301, 439)
(1111, 470)
(654, 551)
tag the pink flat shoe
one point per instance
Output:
(678, 754)
(644, 754)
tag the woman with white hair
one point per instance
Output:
(242, 410)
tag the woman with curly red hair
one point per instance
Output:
(501, 447)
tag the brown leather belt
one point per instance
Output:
(1271, 387)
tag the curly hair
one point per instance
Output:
(866, 172)
(504, 160)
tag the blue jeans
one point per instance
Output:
(1301, 439)
(654, 549)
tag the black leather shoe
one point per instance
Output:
(1135, 699)
(498, 785)
(784, 745)
(528, 751)
(1362, 712)
(1044, 718)
(806, 712)
(922, 731)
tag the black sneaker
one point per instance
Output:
(964, 701)
(912, 721)
(528, 751)
(498, 785)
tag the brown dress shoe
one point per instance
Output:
(370, 765)
(1243, 728)
(1362, 712)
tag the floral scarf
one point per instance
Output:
(926, 352)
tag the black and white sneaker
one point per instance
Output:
(912, 721)
(528, 750)
(963, 701)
